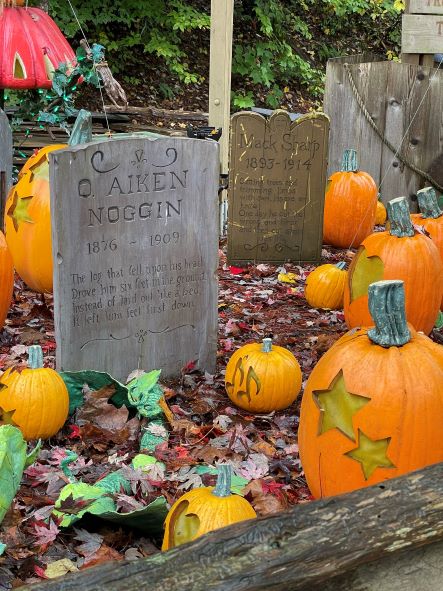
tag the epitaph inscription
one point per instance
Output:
(135, 242)
(277, 186)
(5, 162)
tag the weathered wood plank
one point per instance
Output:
(296, 550)
(426, 7)
(5, 162)
(422, 33)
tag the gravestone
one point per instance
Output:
(135, 245)
(277, 183)
(5, 162)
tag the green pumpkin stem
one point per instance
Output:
(387, 307)
(350, 161)
(35, 357)
(341, 265)
(267, 345)
(428, 203)
(223, 485)
(399, 217)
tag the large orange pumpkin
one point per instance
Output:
(6, 279)
(350, 205)
(36, 399)
(400, 253)
(28, 222)
(261, 378)
(204, 509)
(430, 218)
(373, 406)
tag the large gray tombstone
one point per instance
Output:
(5, 162)
(135, 246)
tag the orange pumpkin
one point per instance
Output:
(400, 253)
(204, 509)
(372, 407)
(325, 286)
(350, 205)
(6, 279)
(430, 218)
(36, 399)
(28, 222)
(261, 378)
(380, 214)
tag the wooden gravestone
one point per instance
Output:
(5, 162)
(135, 246)
(277, 182)
(422, 32)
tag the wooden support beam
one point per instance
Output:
(327, 545)
(222, 12)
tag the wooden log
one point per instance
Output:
(156, 112)
(353, 542)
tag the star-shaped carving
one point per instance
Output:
(18, 210)
(371, 453)
(338, 407)
(40, 170)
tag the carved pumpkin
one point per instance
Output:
(350, 205)
(372, 407)
(261, 378)
(430, 218)
(36, 399)
(380, 214)
(400, 253)
(6, 279)
(204, 509)
(325, 286)
(28, 222)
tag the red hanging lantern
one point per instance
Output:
(31, 47)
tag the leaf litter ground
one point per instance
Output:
(204, 428)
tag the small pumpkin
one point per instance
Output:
(28, 222)
(325, 286)
(261, 378)
(205, 509)
(372, 407)
(380, 214)
(6, 279)
(350, 205)
(36, 399)
(430, 218)
(400, 253)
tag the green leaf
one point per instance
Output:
(149, 520)
(144, 393)
(95, 380)
(78, 494)
(439, 321)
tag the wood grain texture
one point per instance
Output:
(135, 245)
(422, 33)
(5, 162)
(409, 108)
(301, 549)
(425, 7)
(277, 182)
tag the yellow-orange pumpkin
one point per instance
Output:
(372, 407)
(400, 253)
(28, 222)
(6, 279)
(380, 214)
(325, 286)
(350, 205)
(36, 399)
(261, 378)
(205, 509)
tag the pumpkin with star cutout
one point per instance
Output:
(28, 222)
(398, 253)
(35, 399)
(205, 509)
(373, 408)
(262, 377)
(6, 279)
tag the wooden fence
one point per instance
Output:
(406, 104)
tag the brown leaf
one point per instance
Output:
(209, 454)
(104, 554)
(264, 504)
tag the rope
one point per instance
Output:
(394, 150)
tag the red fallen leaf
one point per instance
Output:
(75, 432)
(40, 572)
(189, 367)
(272, 487)
(48, 346)
(45, 533)
(243, 326)
(237, 270)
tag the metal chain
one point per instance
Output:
(381, 135)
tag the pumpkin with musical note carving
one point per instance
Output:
(262, 377)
